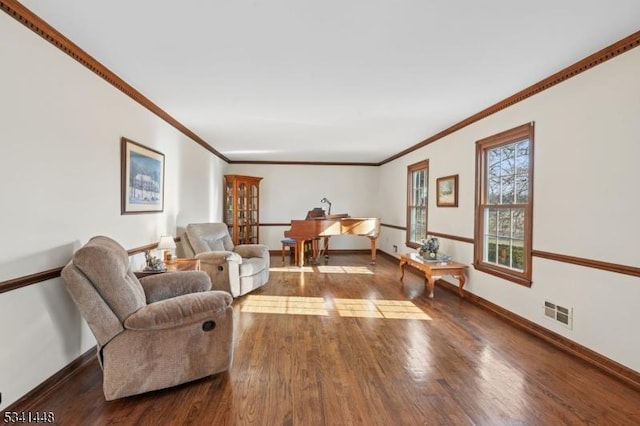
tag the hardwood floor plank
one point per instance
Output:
(310, 365)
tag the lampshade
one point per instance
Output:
(166, 242)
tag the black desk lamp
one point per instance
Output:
(324, 200)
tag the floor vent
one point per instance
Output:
(559, 314)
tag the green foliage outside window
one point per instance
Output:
(511, 257)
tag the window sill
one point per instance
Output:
(505, 274)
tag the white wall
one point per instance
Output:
(60, 185)
(586, 204)
(290, 191)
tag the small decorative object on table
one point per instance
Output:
(153, 263)
(429, 249)
(166, 243)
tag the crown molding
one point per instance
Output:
(36, 24)
(16, 10)
(585, 64)
(305, 163)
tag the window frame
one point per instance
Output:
(483, 146)
(411, 169)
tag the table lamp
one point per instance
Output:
(167, 244)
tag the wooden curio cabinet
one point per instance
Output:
(242, 208)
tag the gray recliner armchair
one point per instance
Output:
(237, 269)
(153, 333)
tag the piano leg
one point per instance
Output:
(300, 252)
(318, 251)
(326, 249)
(314, 249)
(373, 249)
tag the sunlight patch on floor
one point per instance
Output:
(324, 269)
(361, 308)
(293, 305)
(396, 309)
(291, 268)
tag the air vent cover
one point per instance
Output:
(559, 314)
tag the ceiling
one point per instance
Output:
(333, 80)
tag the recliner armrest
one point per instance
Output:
(234, 257)
(178, 311)
(171, 284)
(217, 257)
(252, 250)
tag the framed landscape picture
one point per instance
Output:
(447, 191)
(142, 178)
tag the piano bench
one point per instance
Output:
(289, 242)
(292, 243)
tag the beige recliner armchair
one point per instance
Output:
(237, 269)
(153, 333)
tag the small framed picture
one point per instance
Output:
(142, 178)
(447, 191)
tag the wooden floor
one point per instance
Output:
(458, 365)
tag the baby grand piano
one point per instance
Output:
(320, 225)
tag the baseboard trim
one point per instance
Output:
(604, 364)
(44, 389)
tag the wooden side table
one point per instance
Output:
(173, 266)
(183, 265)
(434, 270)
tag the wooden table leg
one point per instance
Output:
(402, 263)
(430, 284)
(461, 280)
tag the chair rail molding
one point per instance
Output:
(49, 274)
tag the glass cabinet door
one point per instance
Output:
(253, 213)
(241, 208)
(228, 204)
(242, 213)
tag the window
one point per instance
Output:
(504, 200)
(417, 197)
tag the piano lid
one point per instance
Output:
(329, 226)
(319, 213)
(337, 216)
